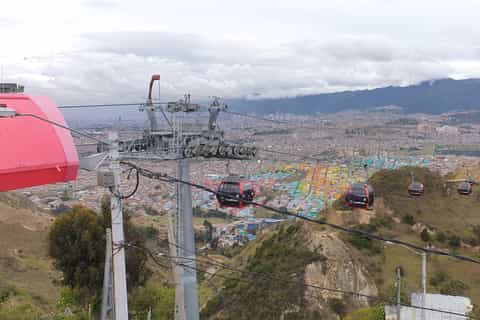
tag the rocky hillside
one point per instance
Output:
(297, 253)
(294, 254)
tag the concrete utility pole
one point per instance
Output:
(399, 285)
(187, 243)
(107, 296)
(175, 144)
(174, 241)
(118, 236)
(424, 283)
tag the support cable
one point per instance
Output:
(360, 233)
(272, 277)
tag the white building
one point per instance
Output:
(453, 304)
(447, 130)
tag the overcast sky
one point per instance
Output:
(89, 51)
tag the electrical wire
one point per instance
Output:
(283, 122)
(296, 155)
(272, 277)
(108, 105)
(360, 233)
(61, 126)
(123, 197)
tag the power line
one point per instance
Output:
(246, 115)
(360, 233)
(61, 126)
(283, 122)
(273, 277)
(296, 155)
(108, 105)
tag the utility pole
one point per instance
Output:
(187, 243)
(118, 236)
(424, 283)
(399, 284)
(173, 145)
(107, 301)
(174, 242)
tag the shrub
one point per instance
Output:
(161, 300)
(454, 288)
(454, 241)
(441, 237)
(425, 235)
(438, 278)
(375, 313)
(337, 306)
(408, 219)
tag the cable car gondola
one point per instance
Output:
(360, 195)
(233, 191)
(416, 189)
(464, 188)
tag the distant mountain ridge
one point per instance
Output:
(431, 97)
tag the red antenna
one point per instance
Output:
(155, 77)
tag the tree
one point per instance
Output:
(425, 235)
(77, 245)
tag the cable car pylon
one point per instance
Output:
(181, 143)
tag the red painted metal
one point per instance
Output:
(34, 152)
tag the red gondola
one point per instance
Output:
(416, 189)
(465, 188)
(360, 195)
(233, 191)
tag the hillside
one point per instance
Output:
(27, 281)
(311, 254)
(293, 254)
(432, 97)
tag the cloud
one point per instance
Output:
(6, 22)
(100, 4)
(174, 46)
(116, 66)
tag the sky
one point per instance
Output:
(104, 51)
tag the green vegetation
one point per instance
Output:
(284, 254)
(425, 235)
(77, 245)
(338, 306)
(375, 313)
(160, 300)
(362, 243)
(408, 219)
(448, 220)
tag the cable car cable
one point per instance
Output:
(108, 105)
(272, 277)
(361, 233)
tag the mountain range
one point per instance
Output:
(431, 97)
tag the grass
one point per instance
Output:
(197, 221)
(451, 214)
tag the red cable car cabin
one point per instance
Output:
(233, 190)
(360, 195)
(34, 152)
(464, 188)
(416, 189)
